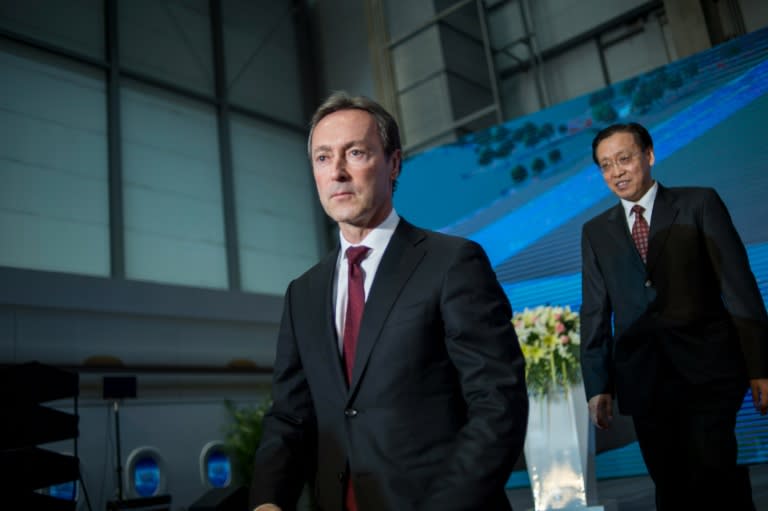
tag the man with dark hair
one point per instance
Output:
(399, 382)
(673, 323)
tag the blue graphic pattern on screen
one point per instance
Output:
(219, 469)
(64, 491)
(523, 189)
(146, 477)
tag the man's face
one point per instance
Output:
(353, 175)
(625, 167)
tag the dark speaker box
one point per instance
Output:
(232, 498)
(33, 382)
(29, 425)
(119, 387)
(156, 503)
(37, 502)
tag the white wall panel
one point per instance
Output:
(405, 16)
(556, 21)
(755, 14)
(425, 110)
(417, 58)
(343, 53)
(53, 198)
(465, 57)
(635, 55)
(172, 190)
(170, 40)
(573, 73)
(276, 203)
(519, 95)
(262, 58)
(75, 24)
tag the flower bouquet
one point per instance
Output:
(550, 341)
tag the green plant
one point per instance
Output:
(242, 438)
(243, 435)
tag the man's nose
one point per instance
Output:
(339, 171)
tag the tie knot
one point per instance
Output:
(356, 254)
(637, 209)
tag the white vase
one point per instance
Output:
(560, 451)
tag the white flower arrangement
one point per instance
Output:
(550, 341)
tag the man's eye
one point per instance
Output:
(356, 153)
(625, 159)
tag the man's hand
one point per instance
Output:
(601, 409)
(760, 394)
(267, 507)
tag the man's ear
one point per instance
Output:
(396, 161)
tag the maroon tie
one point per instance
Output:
(355, 305)
(640, 232)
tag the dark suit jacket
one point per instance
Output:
(436, 412)
(695, 306)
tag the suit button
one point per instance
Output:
(340, 475)
(350, 412)
(648, 283)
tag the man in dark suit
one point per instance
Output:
(424, 409)
(673, 323)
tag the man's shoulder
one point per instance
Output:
(672, 193)
(689, 192)
(320, 269)
(434, 239)
(599, 220)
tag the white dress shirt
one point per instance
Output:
(645, 201)
(377, 240)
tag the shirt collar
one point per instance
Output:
(646, 201)
(379, 236)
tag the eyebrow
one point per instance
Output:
(321, 148)
(325, 148)
(616, 154)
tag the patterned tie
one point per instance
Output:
(355, 305)
(640, 231)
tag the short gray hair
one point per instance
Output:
(386, 124)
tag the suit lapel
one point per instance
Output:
(330, 337)
(664, 214)
(401, 257)
(619, 230)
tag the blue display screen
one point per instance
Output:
(523, 189)
(146, 477)
(64, 491)
(219, 469)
